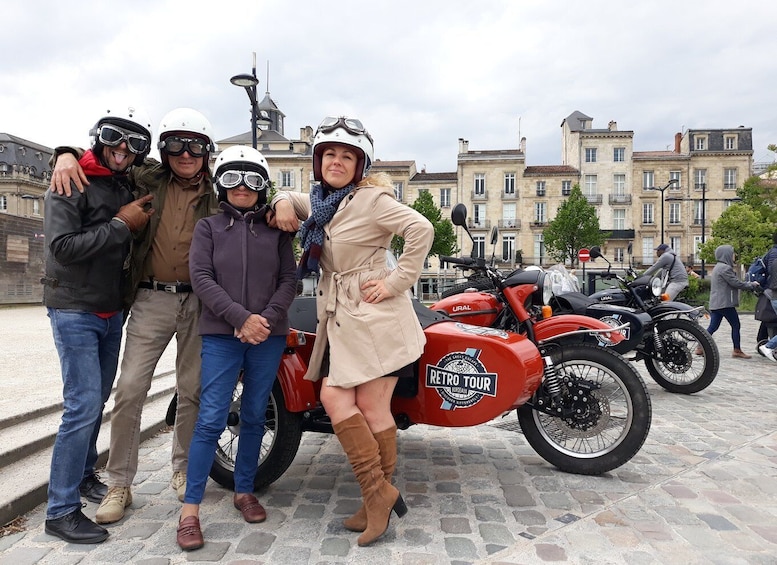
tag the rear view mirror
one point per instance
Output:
(459, 215)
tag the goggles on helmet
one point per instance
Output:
(251, 179)
(175, 146)
(112, 136)
(351, 125)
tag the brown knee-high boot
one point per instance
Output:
(380, 497)
(387, 445)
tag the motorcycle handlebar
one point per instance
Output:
(465, 261)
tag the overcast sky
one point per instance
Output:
(420, 74)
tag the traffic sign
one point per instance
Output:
(583, 255)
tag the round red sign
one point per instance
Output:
(583, 255)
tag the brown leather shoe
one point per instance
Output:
(189, 534)
(739, 354)
(249, 506)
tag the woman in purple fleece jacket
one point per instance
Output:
(243, 271)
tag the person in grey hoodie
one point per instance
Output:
(724, 296)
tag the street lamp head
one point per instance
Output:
(244, 80)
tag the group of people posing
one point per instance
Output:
(206, 258)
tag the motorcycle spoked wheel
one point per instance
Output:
(282, 436)
(600, 435)
(681, 370)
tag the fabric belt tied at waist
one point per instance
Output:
(175, 287)
(336, 280)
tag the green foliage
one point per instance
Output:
(444, 236)
(574, 227)
(744, 228)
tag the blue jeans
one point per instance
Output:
(88, 348)
(772, 343)
(222, 358)
(730, 314)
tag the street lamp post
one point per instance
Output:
(249, 82)
(661, 189)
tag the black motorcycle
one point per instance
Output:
(679, 354)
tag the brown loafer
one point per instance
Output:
(249, 506)
(189, 534)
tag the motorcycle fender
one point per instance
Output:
(556, 325)
(469, 375)
(670, 307)
(300, 394)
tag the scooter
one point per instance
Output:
(583, 408)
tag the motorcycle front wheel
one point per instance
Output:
(689, 361)
(282, 436)
(599, 417)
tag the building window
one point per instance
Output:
(539, 212)
(696, 245)
(590, 185)
(445, 198)
(729, 179)
(36, 207)
(566, 187)
(479, 215)
(399, 191)
(480, 184)
(647, 250)
(678, 176)
(508, 247)
(619, 255)
(539, 248)
(540, 188)
(508, 215)
(730, 142)
(701, 142)
(509, 183)
(674, 213)
(674, 243)
(648, 180)
(478, 246)
(619, 154)
(619, 219)
(286, 179)
(3, 203)
(619, 184)
(648, 216)
(699, 178)
(697, 212)
(590, 154)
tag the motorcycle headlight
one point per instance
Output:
(545, 284)
(656, 286)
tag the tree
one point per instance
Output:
(444, 237)
(574, 227)
(744, 229)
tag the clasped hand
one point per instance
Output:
(255, 330)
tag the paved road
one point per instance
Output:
(702, 490)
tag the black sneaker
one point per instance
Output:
(92, 489)
(76, 528)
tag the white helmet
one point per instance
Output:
(345, 131)
(130, 119)
(245, 159)
(186, 120)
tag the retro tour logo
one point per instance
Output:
(461, 379)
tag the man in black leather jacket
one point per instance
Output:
(88, 239)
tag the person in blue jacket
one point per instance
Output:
(244, 273)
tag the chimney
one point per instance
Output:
(613, 125)
(463, 145)
(678, 137)
(523, 145)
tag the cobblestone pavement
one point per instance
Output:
(702, 490)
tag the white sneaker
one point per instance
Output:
(766, 352)
(178, 484)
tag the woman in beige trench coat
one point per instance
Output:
(367, 334)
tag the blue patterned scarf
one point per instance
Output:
(311, 234)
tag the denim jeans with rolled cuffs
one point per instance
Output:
(222, 358)
(88, 348)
